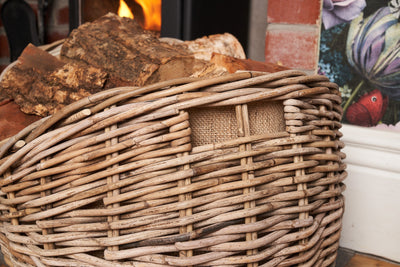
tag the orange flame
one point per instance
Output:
(152, 14)
(124, 10)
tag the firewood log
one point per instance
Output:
(129, 54)
(108, 52)
(232, 64)
(111, 52)
(42, 84)
(203, 48)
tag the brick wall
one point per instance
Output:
(292, 37)
(56, 26)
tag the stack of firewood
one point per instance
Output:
(112, 52)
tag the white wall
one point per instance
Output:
(371, 221)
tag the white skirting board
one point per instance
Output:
(371, 222)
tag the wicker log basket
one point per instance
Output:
(238, 170)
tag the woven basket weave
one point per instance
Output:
(238, 170)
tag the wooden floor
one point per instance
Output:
(365, 261)
(349, 258)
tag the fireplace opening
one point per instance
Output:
(181, 19)
(50, 21)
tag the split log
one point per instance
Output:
(232, 64)
(41, 84)
(203, 48)
(129, 54)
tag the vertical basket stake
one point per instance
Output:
(43, 181)
(183, 197)
(110, 180)
(14, 221)
(299, 172)
(242, 117)
(328, 150)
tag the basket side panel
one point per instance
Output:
(219, 124)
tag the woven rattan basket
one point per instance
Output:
(238, 170)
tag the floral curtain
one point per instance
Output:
(360, 51)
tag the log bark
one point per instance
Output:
(41, 84)
(129, 54)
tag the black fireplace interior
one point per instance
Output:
(191, 19)
(22, 25)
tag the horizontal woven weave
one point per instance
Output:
(238, 170)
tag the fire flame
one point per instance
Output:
(151, 12)
(123, 10)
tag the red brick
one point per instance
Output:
(63, 16)
(4, 49)
(294, 11)
(294, 49)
